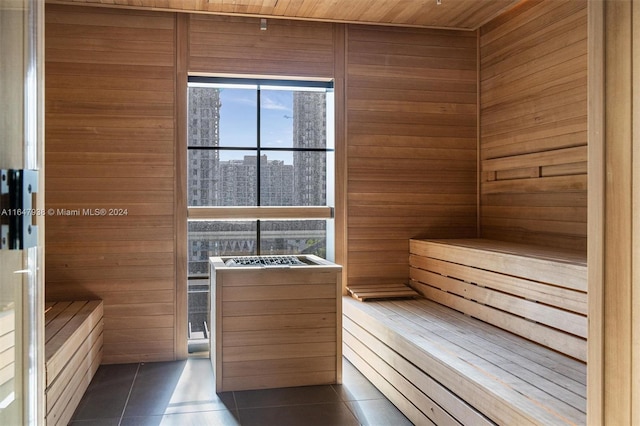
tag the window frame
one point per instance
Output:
(259, 212)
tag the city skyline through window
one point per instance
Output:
(259, 143)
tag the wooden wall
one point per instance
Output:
(411, 144)
(110, 82)
(234, 45)
(533, 124)
(614, 227)
(411, 123)
(114, 140)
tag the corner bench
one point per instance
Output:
(500, 336)
(73, 352)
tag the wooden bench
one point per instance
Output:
(73, 352)
(7, 352)
(499, 338)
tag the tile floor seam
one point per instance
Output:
(236, 408)
(353, 413)
(133, 382)
(292, 405)
(348, 402)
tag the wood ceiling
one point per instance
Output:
(455, 14)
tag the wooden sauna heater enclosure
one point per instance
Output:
(276, 321)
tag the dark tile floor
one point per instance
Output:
(181, 393)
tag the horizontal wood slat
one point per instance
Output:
(478, 373)
(73, 352)
(533, 118)
(7, 350)
(521, 289)
(571, 300)
(387, 291)
(275, 327)
(236, 45)
(385, 368)
(562, 268)
(411, 146)
(462, 14)
(110, 145)
(541, 159)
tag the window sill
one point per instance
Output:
(259, 213)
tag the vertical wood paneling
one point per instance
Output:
(110, 81)
(596, 206)
(635, 212)
(411, 145)
(533, 124)
(340, 84)
(180, 149)
(620, 192)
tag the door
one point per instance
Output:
(21, 265)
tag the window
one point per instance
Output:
(261, 160)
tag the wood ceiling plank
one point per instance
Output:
(455, 14)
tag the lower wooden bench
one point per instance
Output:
(439, 366)
(500, 337)
(73, 352)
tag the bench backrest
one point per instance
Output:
(537, 294)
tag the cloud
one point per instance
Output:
(242, 100)
(269, 103)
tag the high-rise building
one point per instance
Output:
(310, 131)
(204, 131)
(237, 186)
(213, 181)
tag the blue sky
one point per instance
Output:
(238, 121)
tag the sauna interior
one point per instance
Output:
(484, 156)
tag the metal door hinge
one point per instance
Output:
(16, 209)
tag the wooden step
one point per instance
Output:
(381, 291)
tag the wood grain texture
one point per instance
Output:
(7, 346)
(340, 140)
(236, 45)
(180, 206)
(620, 251)
(533, 123)
(275, 327)
(411, 145)
(596, 207)
(635, 307)
(73, 351)
(461, 14)
(477, 373)
(110, 133)
(537, 294)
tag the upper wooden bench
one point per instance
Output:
(537, 293)
(502, 340)
(73, 352)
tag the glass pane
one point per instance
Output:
(221, 178)
(204, 116)
(299, 178)
(223, 116)
(277, 179)
(198, 314)
(293, 237)
(218, 238)
(291, 118)
(21, 282)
